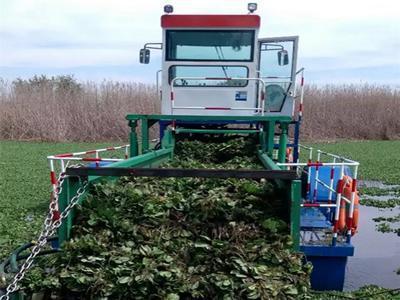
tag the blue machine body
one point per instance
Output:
(324, 174)
(99, 164)
(329, 265)
(329, 262)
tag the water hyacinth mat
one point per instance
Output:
(179, 238)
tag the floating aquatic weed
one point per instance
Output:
(183, 238)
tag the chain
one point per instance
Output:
(49, 228)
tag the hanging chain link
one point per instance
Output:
(50, 226)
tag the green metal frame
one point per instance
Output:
(217, 131)
(295, 201)
(268, 125)
(144, 157)
(71, 184)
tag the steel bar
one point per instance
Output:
(319, 164)
(217, 131)
(203, 118)
(168, 172)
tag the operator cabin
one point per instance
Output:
(217, 65)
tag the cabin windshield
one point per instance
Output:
(209, 45)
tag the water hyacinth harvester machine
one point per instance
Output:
(219, 77)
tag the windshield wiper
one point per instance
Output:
(221, 57)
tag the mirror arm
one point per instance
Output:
(153, 46)
(277, 47)
(301, 70)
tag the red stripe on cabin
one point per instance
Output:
(252, 21)
(218, 108)
(110, 148)
(65, 155)
(301, 107)
(53, 177)
(172, 96)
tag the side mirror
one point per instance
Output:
(144, 56)
(283, 58)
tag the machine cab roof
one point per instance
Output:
(217, 65)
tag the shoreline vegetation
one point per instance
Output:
(64, 109)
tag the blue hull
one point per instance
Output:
(329, 265)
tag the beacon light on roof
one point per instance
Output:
(252, 7)
(168, 9)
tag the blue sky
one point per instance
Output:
(353, 41)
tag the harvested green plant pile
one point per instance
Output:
(238, 153)
(147, 238)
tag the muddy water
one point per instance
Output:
(377, 255)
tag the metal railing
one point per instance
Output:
(80, 157)
(334, 162)
(260, 103)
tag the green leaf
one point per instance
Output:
(124, 280)
(173, 296)
(165, 274)
(202, 245)
(226, 282)
(292, 291)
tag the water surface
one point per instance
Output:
(377, 255)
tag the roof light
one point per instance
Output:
(168, 9)
(252, 7)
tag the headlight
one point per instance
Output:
(169, 9)
(252, 7)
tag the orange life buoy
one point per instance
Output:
(345, 222)
(342, 216)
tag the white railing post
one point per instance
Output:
(338, 204)
(332, 176)
(62, 165)
(352, 204)
(309, 174)
(316, 176)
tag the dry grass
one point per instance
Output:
(351, 112)
(67, 111)
(60, 109)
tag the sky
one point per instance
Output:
(341, 41)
